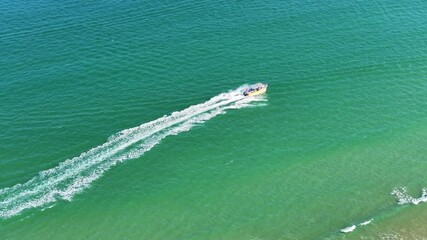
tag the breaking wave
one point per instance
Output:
(403, 197)
(76, 174)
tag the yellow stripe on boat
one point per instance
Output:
(252, 92)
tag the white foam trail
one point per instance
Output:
(348, 229)
(354, 226)
(366, 222)
(403, 197)
(76, 174)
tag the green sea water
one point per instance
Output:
(123, 119)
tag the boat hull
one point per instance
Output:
(256, 93)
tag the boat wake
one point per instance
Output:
(76, 174)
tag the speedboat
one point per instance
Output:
(255, 89)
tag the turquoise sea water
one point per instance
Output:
(122, 119)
